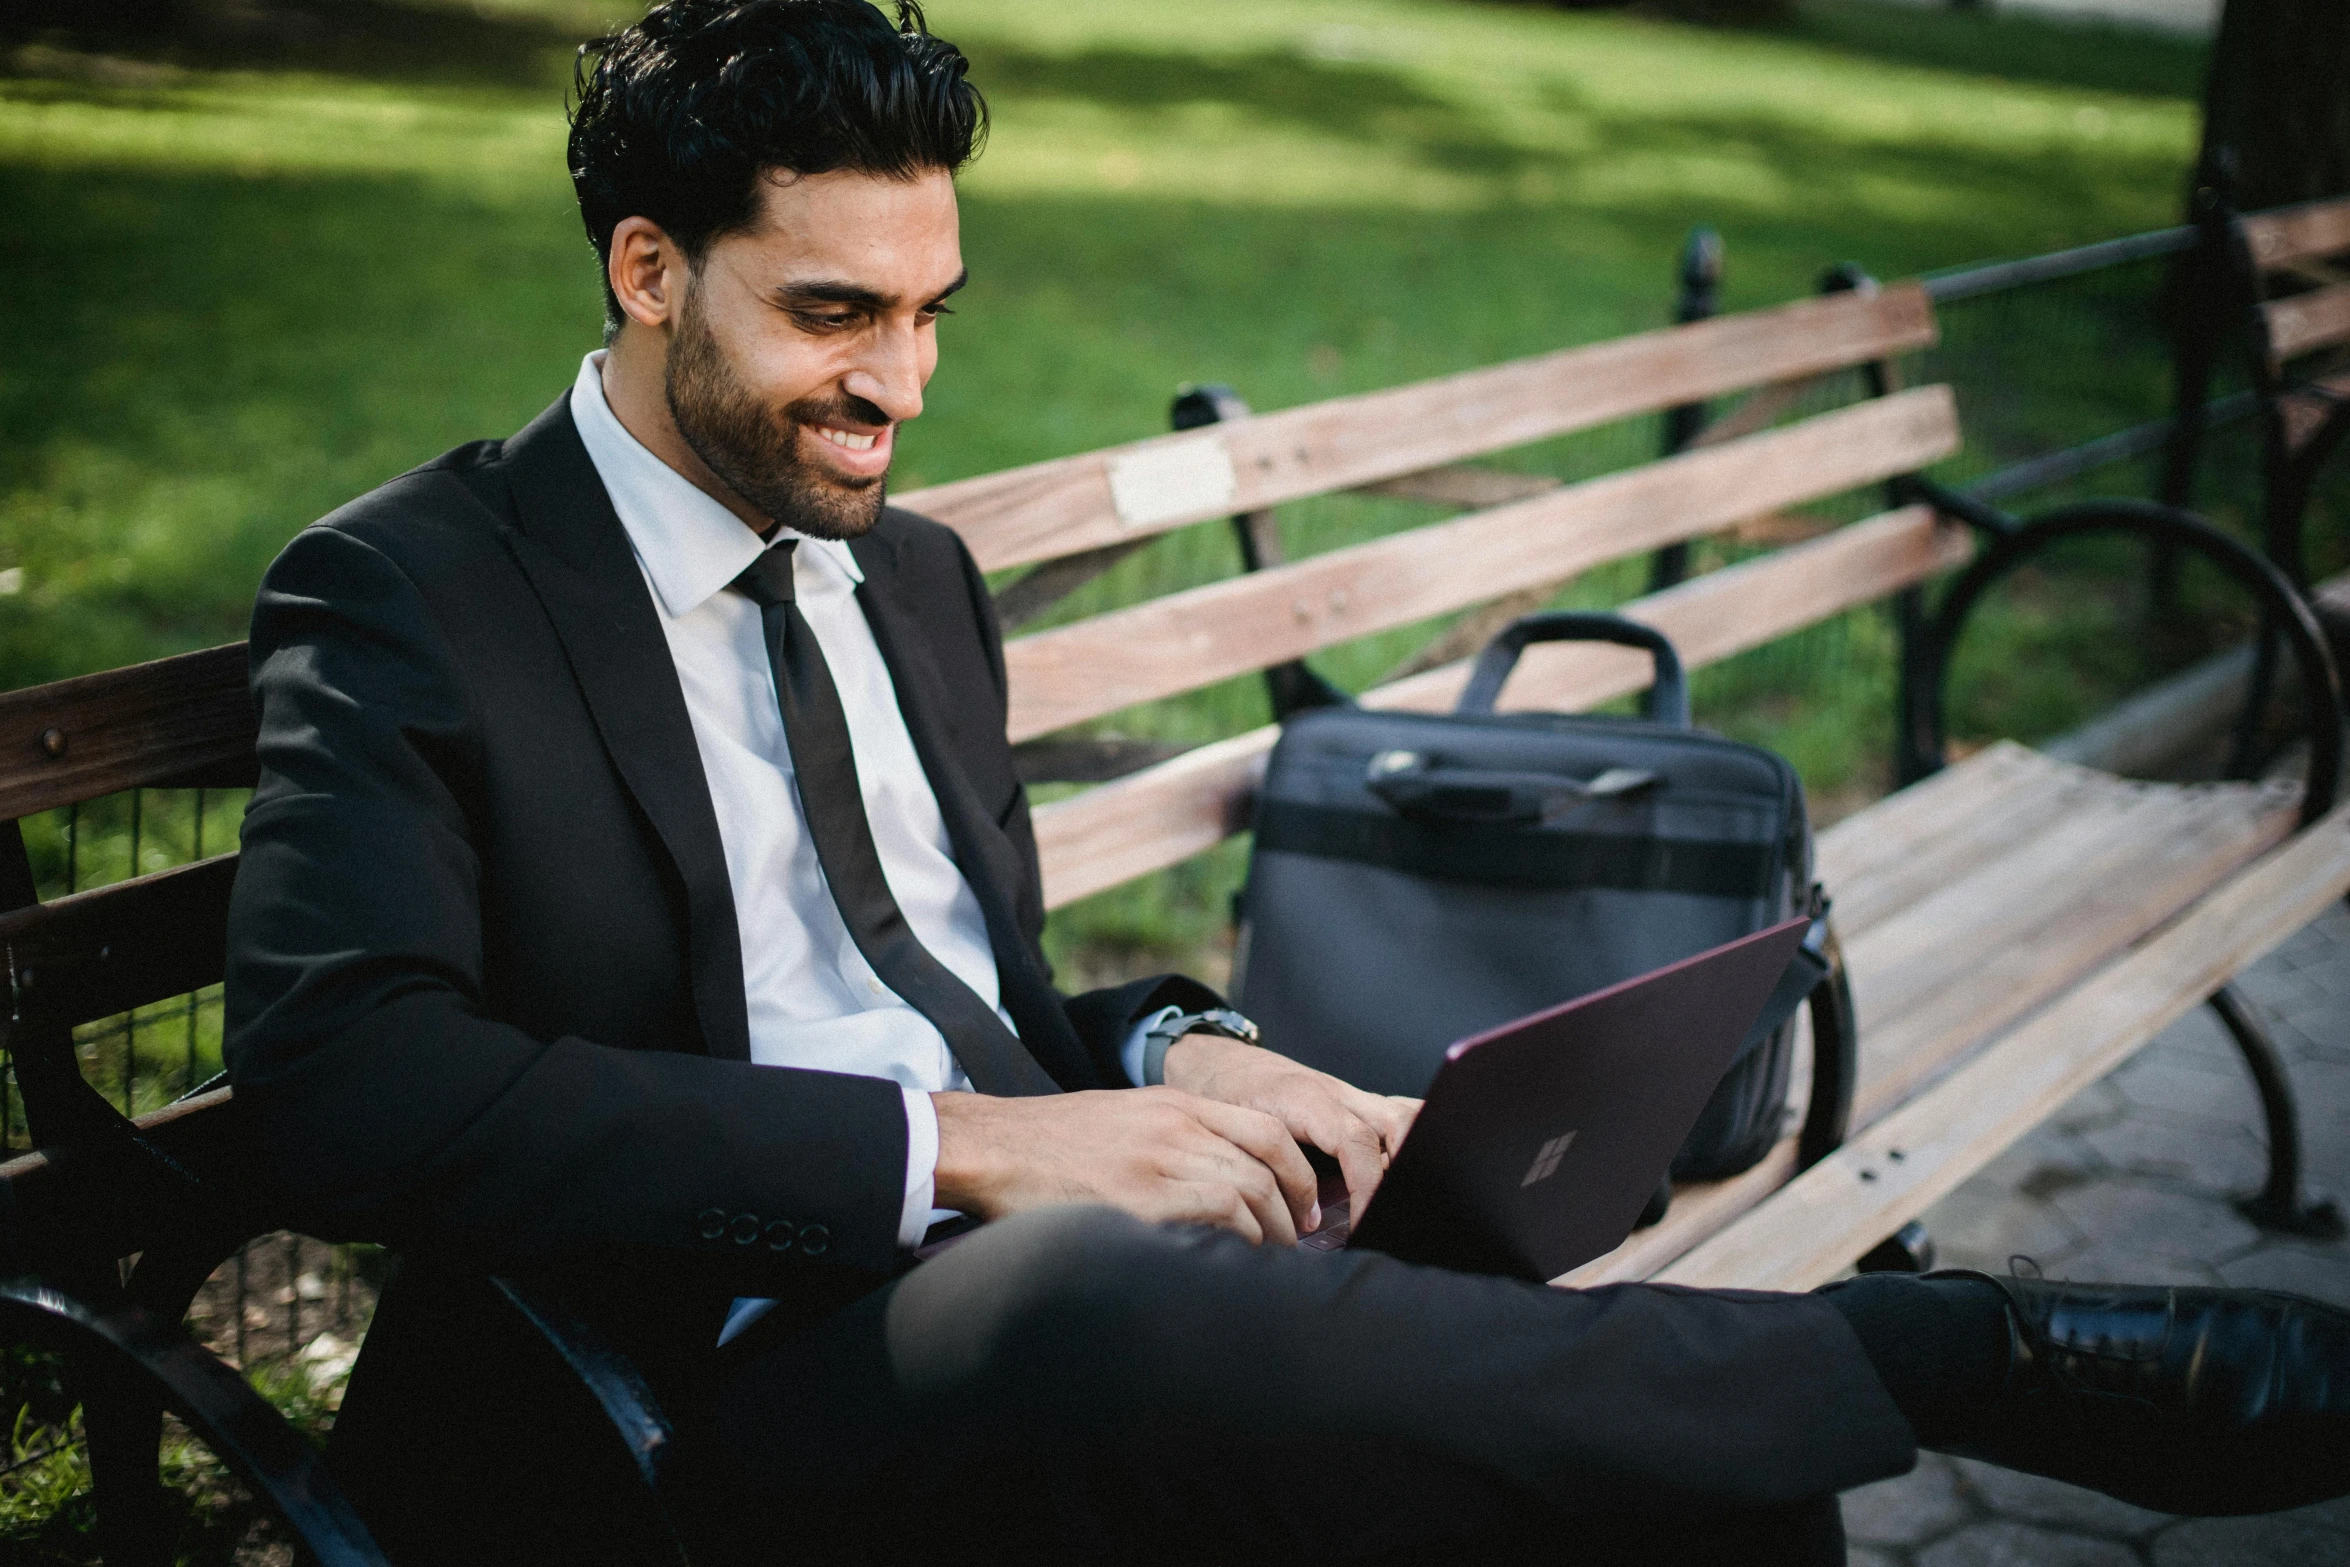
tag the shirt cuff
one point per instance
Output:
(1138, 1041)
(921, 1168)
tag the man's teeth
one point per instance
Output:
(855, 443)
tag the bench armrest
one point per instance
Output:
(159, 1361)
(2284, 612)
(619, 1390)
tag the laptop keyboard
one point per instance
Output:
(1336, 1223)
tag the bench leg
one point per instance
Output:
(125, 1426)
(2280, 1205)
(1909, 1249)
(138, 1520)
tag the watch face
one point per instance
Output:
(1223, 1020)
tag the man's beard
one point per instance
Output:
(756, 452)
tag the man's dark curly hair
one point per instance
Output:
(679, 115)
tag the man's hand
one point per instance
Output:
(1159, 1153)
(1360, 1130)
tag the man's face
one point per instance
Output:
(805, 340)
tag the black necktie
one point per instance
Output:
(818, 732)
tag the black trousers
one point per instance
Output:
(1075, 1386)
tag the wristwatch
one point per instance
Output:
(1172, 1023)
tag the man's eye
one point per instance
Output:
(825, 320)
(933, 312)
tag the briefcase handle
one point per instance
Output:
(1667, 701)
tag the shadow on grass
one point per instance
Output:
(1377, 106)
(391, 40)
(1345, 99)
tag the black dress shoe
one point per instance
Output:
(2199, 1401)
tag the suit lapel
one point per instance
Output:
(571, 546)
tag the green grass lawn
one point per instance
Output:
(257, 274)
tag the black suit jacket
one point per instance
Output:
(484, 991)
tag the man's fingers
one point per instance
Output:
(1271, 1145)
(1219, 1205)
(1248, 1182)
(1389, 1117)
(1324, 1121)
(1265, 1199)
(1361, 1162)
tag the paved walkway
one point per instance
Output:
(2132, 1181)
(2185, 16)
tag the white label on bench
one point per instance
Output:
(1181, 480)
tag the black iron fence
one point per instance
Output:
(2064, 361)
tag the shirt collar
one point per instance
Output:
(690, 546)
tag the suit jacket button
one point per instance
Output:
(815, 1240)
(779, 1234)
(746, 1228)
(710, 1224)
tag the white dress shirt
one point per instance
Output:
(811, 998)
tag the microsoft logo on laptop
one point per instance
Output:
(1546, 1159)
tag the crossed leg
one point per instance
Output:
(1074, 1385)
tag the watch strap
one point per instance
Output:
(1171, 1024)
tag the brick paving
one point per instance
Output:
(2133, 1180)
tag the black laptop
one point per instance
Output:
(1541, 1141)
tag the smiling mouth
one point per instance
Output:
(845, 439)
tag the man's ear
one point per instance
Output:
(647, 271)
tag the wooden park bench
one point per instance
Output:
(2279, 282)
(2013, 927)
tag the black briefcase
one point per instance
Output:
(1417, 878)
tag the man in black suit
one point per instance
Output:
(639, 897)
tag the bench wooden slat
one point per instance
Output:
(1916, 1048)
(184, 720)
(1182, 641)
(1700, 1211)
(1989, 827)
(1715, 615)
(1932, 983)
(2302, 322)
(1168, 813)
(1799, 1238)
(1979, 895)
(1880, 860)
(2306, 410)
(1465, 484)
(2288, 234)
(1066, 505)
(2053, 865)
(97, 953)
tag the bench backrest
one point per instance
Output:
(187, 722)
(2304, 245)
(1067, 518)
(176, 724)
